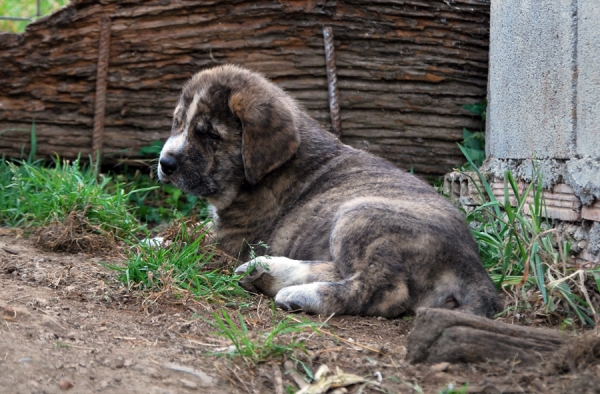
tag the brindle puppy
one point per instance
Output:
(359, 235)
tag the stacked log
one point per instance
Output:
(404, 69)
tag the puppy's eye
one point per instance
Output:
(207, 130)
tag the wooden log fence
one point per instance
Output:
(404, 68)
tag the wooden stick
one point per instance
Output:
(101, 73)
(334, 102)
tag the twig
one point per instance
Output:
(202, 343)
(239, 379)
(52, 320)
(278, 379)
(587, 297)
(334, 100)
(290, 370)
(18, 298)
(325, 322)
(100, 99)
(557, 282)
(207, 379)
(62, 344)
(258, 309)
(211, 56)
(9, 250)
(327, 350)
(342, 339)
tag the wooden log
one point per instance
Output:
(446, 335)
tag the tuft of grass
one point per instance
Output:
(145, 198)
(262, 347)
(525, 255)
(34, 195)
(184, 264)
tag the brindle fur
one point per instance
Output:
(365, 237)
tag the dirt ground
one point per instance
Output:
(67, 324)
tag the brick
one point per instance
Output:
(563, 188)
(561, 203)
(591, 212)
(462, 188)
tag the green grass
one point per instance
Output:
(25, 9)
(156, 202)
(474, 142)
(35, 195)
(182, 265)
(258, 348)
(523, 253)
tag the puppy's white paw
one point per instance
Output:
(301, 297)
(268, 275)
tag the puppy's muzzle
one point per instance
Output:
(169, 164)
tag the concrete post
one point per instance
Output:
(544, 92)
(544, 108)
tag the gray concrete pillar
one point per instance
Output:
(544, 92)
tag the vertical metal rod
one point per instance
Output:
(100, 100)
(334, 103)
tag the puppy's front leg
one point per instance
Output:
(271, 274)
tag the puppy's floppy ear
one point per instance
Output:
(269, 134)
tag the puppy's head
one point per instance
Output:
(230, 127)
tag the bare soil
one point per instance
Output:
(68, 324)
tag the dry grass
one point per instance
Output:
(76, 234)
(581, 354)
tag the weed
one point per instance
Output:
(156, 202)
(35, 195)
(523, 253)
(289, 389)
(187, 263)
(265, 346)
(474, 142)
(152, 150)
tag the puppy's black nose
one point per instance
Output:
(168, 164)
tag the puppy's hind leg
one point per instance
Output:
(268, 275)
